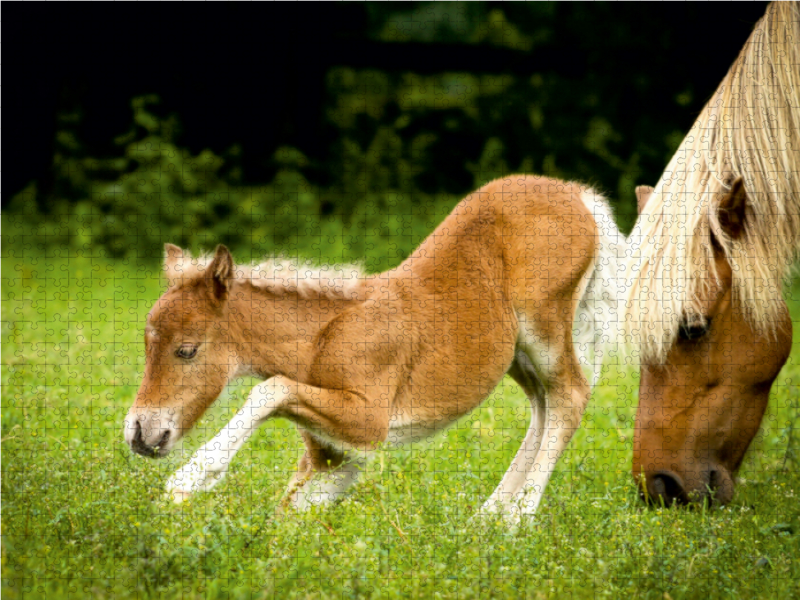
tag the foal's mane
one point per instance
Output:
(280, 276)
(749, 128)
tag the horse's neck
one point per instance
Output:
(274, 333)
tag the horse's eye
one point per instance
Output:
(186, 351)
(692, 332)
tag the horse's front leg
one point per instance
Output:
(208, 465)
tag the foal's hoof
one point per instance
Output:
(508, 520)
(191, 478)
(510, 515)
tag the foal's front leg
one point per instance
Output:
(338, 414)
(346, 426)
(323, 475)
(208, 465)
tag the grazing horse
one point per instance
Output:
(502, 285)
(709, 253)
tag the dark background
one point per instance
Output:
(321, 110)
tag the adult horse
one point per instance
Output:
(357, 361)
(709, 253)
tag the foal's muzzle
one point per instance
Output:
(148, 437)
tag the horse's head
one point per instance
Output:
(189, 358)
(700, 409)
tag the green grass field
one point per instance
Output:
(84, 517)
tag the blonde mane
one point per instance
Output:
(278, 276)
(749, 128)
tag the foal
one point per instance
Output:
(503, 285)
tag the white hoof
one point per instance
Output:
(193, 477)
(324, 488)
(178, 496)
(511, 513)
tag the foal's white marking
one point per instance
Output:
(505, 495)
(322, 488)
(208, 465)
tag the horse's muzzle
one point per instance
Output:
(665, 487)
(715, 486)
(147, 437)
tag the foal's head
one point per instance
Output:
(701, 407)
(189, 358)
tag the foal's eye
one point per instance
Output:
(691, 332)
(186, 351)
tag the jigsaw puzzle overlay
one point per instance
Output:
(380, 388)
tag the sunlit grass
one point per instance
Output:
(83, 516)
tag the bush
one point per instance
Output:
(155, 192)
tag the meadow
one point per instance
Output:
(82, 516)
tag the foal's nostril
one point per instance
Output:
(666, 487)
(140, 446)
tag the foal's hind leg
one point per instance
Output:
(523, 372)
(567, 396)
(559, 393)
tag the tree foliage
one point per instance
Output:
(396, 146)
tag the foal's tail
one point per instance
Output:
(597, 316)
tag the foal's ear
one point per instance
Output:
(732, 210)
(219, 273)
(175, 261)
(171, 254)
(643, 193)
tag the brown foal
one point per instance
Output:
(505, 282)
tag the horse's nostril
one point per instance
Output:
(137, 437)
(667, 488)
(713, 479)
(720, 484)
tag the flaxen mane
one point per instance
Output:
(749, 128)
(280, 276)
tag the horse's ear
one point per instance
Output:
(174, 261)
(643, 193)
(219, 273)
(732, 210)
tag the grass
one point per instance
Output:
(82, 516)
